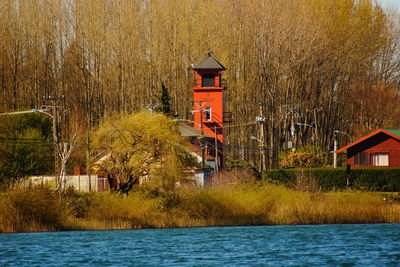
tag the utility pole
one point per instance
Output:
(262, 139)
(51, 111)
(261, 120)
(334, 151)
(293, 135)
(200, 105)
(335, 143)
(203, 152)
(88, 151)
(316, 125)
(53, 108)
(216, 151)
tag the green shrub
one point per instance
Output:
(327, 179)
(374, 179)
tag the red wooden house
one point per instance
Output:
(378, 149)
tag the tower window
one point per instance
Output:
(208, 80)
(207, 113)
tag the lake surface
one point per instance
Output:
(349, 245)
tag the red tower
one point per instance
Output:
(208, 95)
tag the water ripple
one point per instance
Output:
(332, 245)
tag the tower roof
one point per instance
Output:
(209, 63)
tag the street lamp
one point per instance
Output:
(304, 124)
(255, 138)
(339, 132)
(335, 146)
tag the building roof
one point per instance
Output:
(197, 150)
(209, 63)
(395, 133)
(187, 131)
(97, 165)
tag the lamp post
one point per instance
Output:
(335, 146)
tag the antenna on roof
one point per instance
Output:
(209, 52)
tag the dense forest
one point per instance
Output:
(334, 65)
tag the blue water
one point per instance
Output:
(311, 245)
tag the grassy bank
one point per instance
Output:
(41, 209)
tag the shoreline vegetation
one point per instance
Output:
(42, 209)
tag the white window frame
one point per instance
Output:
(380, 159)
(208, 113)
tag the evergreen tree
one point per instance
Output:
(165, 107)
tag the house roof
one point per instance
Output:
(395, 133)
(209, 63)
(97, 165)
(195, 149)
(186, 130)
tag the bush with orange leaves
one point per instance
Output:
(300, 160)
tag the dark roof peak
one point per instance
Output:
(395, 133)
(209, 63)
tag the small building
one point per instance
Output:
(378, 149)
(209, 114)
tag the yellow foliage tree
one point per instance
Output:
(141, 147)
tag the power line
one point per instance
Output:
(23, 139)
(236, 125)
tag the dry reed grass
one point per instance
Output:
(40, 209)
(31, 209)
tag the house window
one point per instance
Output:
(363, 159)
(208, 80)
(207, 112)
(379, 159)
(360, 159)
